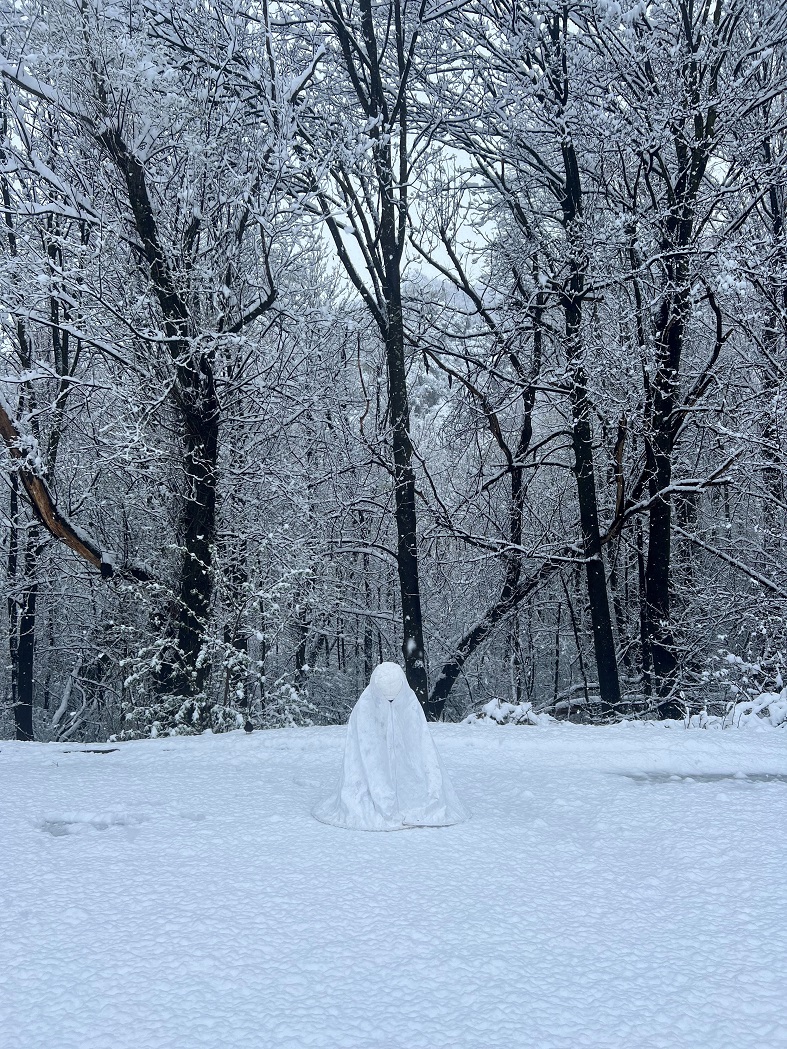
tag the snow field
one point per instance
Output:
(615, 888)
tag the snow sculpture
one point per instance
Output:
(392, 777)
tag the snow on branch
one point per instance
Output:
(46, 510)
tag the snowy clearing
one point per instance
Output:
(615, 887)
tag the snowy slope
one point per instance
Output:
(176, 894)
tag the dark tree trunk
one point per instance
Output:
(198, 522)
(383, 232)
(776, 340)
(693, 143)
(197, 403)
(517, 667)
(647, 667)
(413, 648)
(300, 654)
(391, 246)
(582, 435)
(584, 471)
(598, 595)
(12, 603)
(580, 655)
(664, 391)
(368, 635)
(25, 647)
(556, 678)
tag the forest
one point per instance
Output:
(448, 332)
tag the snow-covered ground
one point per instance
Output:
(616, 887)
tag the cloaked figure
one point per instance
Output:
(391, 777)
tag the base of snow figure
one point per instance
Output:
(392, 777)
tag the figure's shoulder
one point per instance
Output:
(408, 706)
(364, 703)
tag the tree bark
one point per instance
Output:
(664, 393)
(413, 648)
(582, 442)
(198, 523)
(598, 594)
(25, 647)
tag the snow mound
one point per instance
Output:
(498, 712)
(768, 710)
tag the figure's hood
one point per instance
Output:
(388, 681)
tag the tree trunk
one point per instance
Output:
(383, 233)
(413, 648)
(25, 646)
(647, 667)
(11, 574)
(582, 440)
(197, 403)
(582, 444)
(368, 636)
(661, 641)
(189, 675)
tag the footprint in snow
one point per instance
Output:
(88, 823)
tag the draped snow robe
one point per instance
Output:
(391, 777)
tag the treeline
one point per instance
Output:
(452, 333)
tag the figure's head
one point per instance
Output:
(388, 680)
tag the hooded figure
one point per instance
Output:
(392, 777)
